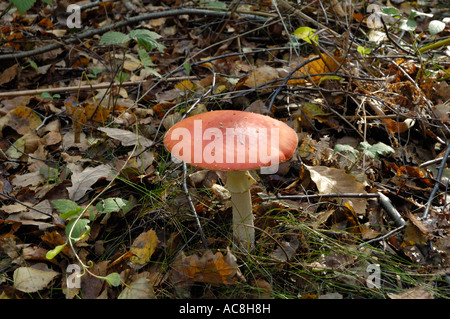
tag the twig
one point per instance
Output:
(393, 214)
(431, 162)
(388, 35)
(320, 196)
(191, 206)
(438, 180)
(286, 79)
(388, 234)
(10, 94)
(24, 205)
(185, 188)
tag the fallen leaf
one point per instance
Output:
(261, 76)
(22, 119)
(315, 69)
(28, 179)
(127, 138)
(331, 180)
(82, 181)
(9, 74)
(286, 252)
(412, 293)
(141, 288)
(34, 278)
(143, 247)
(206, 267)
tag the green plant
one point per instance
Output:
(146, 40)
(372, 151)
(78, 226)
(24, 5)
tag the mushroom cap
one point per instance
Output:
(231, 140)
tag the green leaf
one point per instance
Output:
(408, 25)
(113, 204)
(436, 26)
(390, 11)
(80, 228)
(341, 148)
(113, 279)
(114, 37)
(145, 58)
(147, 39)
(187, 67)
(33, 65)
(307, 34)
(330, 77)
(23, 5)
(55, 251)
(213, 5)
(377, 149)
(363, 51)
(66, 207)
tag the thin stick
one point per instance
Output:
(320, 196)
(388, 234)
(191, 206)
(11, 94)
(438, 180)
(24, 205)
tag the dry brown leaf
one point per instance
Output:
(141, 288)
(82, 181)
(9, 74)
(34, 278)
(260, 76)
(288, 250)
(127, 138)
(29, 179)
(331, 180)
(22, 119)
(208, 267)
(412, 293)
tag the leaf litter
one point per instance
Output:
(369, 125)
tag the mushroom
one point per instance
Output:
(235, 142)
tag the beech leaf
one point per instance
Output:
(32, 279)
(333, 180)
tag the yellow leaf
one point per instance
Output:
(186, 85)
(143, 247)
(314, 69)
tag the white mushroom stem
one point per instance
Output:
(238, 183)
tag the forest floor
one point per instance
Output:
(92, 206)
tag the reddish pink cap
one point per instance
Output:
(231, 140)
